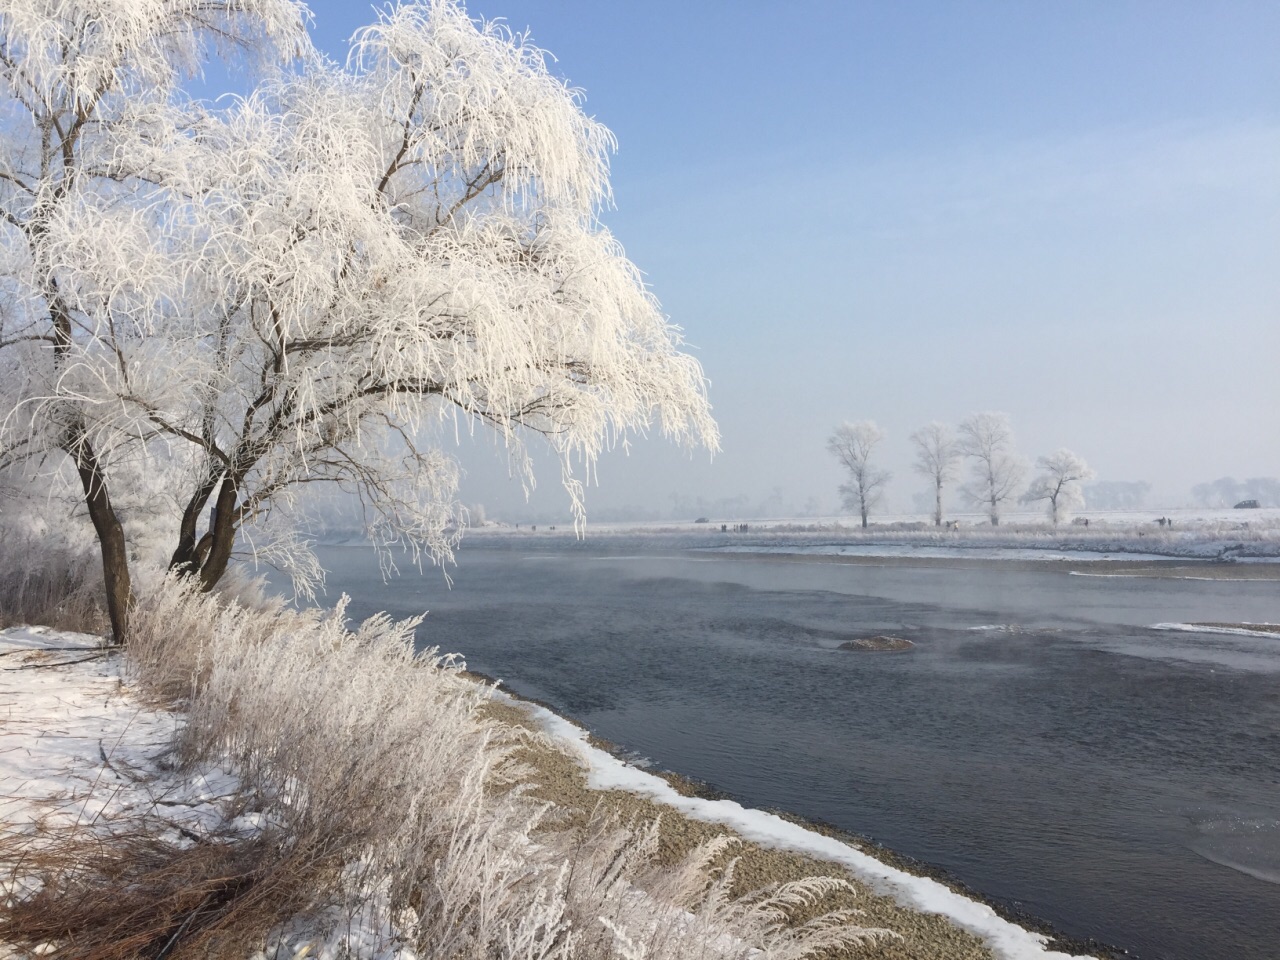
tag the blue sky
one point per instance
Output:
(910, 211)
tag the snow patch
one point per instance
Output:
(77, 749)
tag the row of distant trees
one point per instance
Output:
(1118, 494)
(1228, 491)
(983, 442)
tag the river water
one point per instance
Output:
(1039, 742)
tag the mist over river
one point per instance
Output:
(1039, 742)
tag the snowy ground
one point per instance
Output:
(78, 749)
(941, 551)
(1184, 518)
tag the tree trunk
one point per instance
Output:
(864, 516)
(186, 560)
(115, 552)
(937, 509)
(223, 533)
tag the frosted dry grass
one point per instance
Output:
(354, 744)
(49, 587)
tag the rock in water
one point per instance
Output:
(875, 644)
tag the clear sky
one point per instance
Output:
(905, 211)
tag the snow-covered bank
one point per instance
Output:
(1241, 536)
(1256, 540)
(606, 772)
(83, 748)
(374, 764)
(890, 550)
(77, 747)
(82, 752)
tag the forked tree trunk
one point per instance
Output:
(115, 552)
(185, 560)
(222, 535)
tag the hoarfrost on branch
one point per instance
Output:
(937, 457)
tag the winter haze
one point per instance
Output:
(908, 212)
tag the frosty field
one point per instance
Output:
(1041, 741)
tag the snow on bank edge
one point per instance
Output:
(605, 772)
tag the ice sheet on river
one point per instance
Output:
(899, 550)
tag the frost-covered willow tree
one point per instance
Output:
(852, 444)
(304, 284)
(1059, 484)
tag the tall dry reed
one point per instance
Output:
(51, 587)
(402, 811)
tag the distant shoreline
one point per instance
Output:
(1173, 568)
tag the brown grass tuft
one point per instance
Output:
(128, 895)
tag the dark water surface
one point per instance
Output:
(1038, 742)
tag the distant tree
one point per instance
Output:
(1223, 492)
(938, 458)
(307, 283)
(987, 439)
(1059, 484)
(1266, 490)
(1117, 494)
(1228, 491)
(1204, 495)
(773, 505)
(852, 444)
